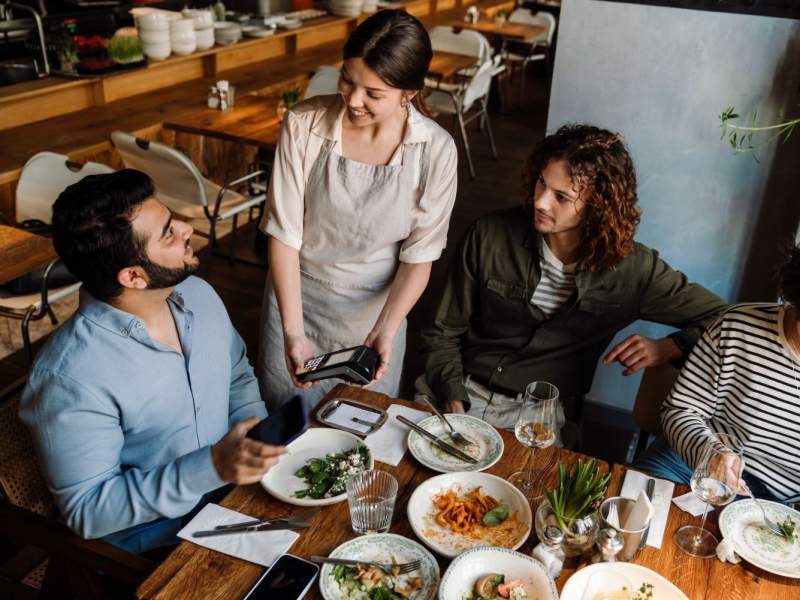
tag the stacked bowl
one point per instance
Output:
(346, 8)
(227, 33)
(153, 28)
(203, 21)
(182, 37)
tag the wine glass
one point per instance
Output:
(535, 428)
(716, 480)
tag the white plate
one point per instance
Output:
(254, 31)
(280, 480)
(381, 547)
(487, 447)
(465, 569)
(422, 512)
(743, 524)
(607, 576)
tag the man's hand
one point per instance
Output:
(454, 406)
(297, 350)
(638, 352)
(238, 459)
(381, 341)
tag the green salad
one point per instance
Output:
(371, 583)
(326, 477)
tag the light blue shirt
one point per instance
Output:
(123, 424)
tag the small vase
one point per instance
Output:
(578, 533)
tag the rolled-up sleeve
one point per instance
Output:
(95, 494)
(285, 197)
(431, 218)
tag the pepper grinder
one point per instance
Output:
(550, 552)
(609, 544)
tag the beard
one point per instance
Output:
(165, 277)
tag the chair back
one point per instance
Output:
(21, 481)
(176, 178)
(542, 19)
(478, 86)
(325, 81)
(43, 178)
(653, 389)
(465, 42)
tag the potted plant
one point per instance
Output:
(500, 17)
(572, 505)
(288, 99)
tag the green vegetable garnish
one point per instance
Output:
(326, 477)
(788, 529)
(496, 516)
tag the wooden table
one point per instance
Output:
(253, 120)
(192, 571)
(445, 65)
(22, 252)
(512, 31)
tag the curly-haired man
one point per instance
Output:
(538, 292)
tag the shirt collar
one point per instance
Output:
(329, 125)
(115, 320)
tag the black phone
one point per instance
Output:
(283, 425)
(289, 578)
(356, 365)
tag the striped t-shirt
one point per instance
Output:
(742, 379)
(557, 282)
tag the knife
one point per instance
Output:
(452, 450)
(248, 529)
(649, 490)
(300, 517)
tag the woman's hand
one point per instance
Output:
(297, 351)
(381, 341)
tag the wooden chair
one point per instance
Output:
(653, 389)
(53, 558)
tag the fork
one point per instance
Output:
(771, 525)
(402, 568)
(454, 435)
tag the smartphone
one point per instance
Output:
(289, 578)
(283, 425)
(356, 365)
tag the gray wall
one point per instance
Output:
(660, 76)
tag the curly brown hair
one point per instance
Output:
(602, 171)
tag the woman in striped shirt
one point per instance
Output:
(743, 379)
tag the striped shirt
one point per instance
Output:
(557, 282)
(742, 379)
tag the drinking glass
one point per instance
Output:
(535, 428)
(716, 480)
(371, 496)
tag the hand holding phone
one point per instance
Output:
(240, 460)
(282, 425)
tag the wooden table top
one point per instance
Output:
(22, 252)
(252, 120)
(511, 31)
(446, 64)
(192, 571)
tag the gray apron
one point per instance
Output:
(356, 218)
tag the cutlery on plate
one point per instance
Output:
(454, 435)
(451, 450)
(300, 517)
(252, 528)
(771, 525)
(406, 567)
(649, 490)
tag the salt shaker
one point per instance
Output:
(550, 552)
(608, 545)
(213, 97)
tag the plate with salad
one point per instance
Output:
(316, 466)
(339, 582)
(496, 574)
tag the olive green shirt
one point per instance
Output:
(486, 325)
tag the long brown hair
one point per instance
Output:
(602, 171)
(397, 47)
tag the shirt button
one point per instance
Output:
(197, 410)
(123, 331)
(499, 369)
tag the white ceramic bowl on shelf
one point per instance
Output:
(205, 38)
(153, 21)
(156, 51)
(202, 18)
(346, 8)
(181, 26)
(226, 33)
(153, 37)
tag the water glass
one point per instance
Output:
(371, 496)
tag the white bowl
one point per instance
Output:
(181, 26)
(153, 21)
(183, 48)
(202, 19)
(460, 577)
(608, 577)
(183, 37)
(156, 51)
(422, 511)
(154, 37)
(205, 38)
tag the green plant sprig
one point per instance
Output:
(578, 492)
(290, 97)
(741, 137)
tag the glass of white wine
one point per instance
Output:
(535, 428)
(716, 480)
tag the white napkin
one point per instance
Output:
(345, 414)
(550, 561)
(260, 547)
(388, 444)
(636, 482)
(726, 553)
(691, 504)
(639, 516)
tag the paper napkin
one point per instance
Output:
(388, 444)
(634, 483)
(691, 504)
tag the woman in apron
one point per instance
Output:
(358, 208)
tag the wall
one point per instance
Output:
(660, 76)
